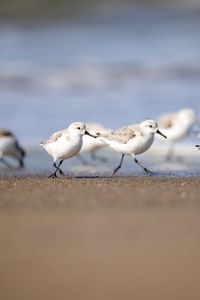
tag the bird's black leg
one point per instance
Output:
(118, 167)
(21, 163)
(58, 168)
(60, 171)
(54, 175)
(139, 164)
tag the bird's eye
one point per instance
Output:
(150, 126)
(78, 128)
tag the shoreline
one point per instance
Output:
(99, 193)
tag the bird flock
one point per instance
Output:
(79, 138)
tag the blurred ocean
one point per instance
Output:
(118, 69)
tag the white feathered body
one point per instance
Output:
(64, 147)
(176, 126)
(177, 132)
(129, 140)
(134, 147)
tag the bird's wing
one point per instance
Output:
(53, 138)
(166, 121)
(125, 134)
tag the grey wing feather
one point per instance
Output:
(53, 138)
(123, 135)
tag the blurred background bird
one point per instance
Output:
(10, 147)
(91, 145)
(177, 126)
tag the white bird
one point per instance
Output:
(65, 144)
(91, 145)
(9, 146)
(177, 126)
(132, 140)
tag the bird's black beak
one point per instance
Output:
(87, 133)
(159, 132)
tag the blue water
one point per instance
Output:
(116, 70)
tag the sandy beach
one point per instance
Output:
(99, 238)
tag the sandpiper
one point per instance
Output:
(177, 126)
(9, 146)
(132, 140)
(65, 144)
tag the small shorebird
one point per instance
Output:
(65, 144)
(177, 126)
(91, 145)
(132, 140)
(9, 146)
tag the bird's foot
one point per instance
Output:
(115, 171)
(148, 171)
(53, 175)
(61, 173)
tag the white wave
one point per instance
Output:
(27, 75)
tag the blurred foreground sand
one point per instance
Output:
(119, 238)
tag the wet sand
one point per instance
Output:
(99, 238)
